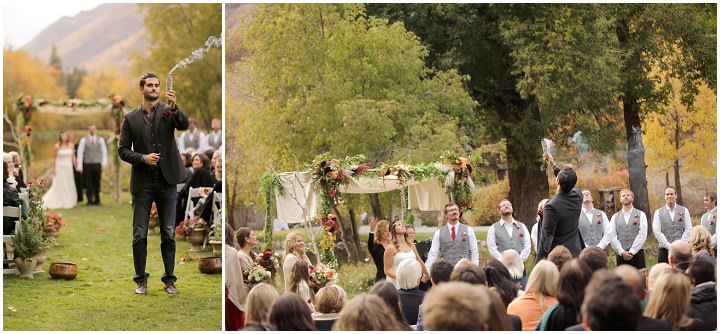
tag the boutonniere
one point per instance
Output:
(521, 235)
(712, 222)
(464, 236)
(166, 114)
(635, 222)
(599, 221)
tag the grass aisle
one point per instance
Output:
(102, 296)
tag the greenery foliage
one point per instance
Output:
(28, 240)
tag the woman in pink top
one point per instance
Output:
(538, 297)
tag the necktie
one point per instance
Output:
(453, 233)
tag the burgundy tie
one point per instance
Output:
(453, 233)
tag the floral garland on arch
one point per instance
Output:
(26, 107)
(458, 181)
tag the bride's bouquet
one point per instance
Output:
(321, 275)
(257, 274)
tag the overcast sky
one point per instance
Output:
(23, 20)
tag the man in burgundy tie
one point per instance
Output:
(453, 241)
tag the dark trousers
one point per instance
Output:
(165, 196)
(92, 174)
(79, 185)
(662, 255)
(637, 261)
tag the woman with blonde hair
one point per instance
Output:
(539, 295)
(378, 241)
(670, 300)
(257, 306)
(367, 312)
(329, 301)
(294, 251)
(399, 249)
(701, 242)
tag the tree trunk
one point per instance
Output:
(355, 233)
(528, 185)
(678, 189)
(347, 237)
(375, 204)
(231, 202)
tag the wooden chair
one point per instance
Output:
(11, 212)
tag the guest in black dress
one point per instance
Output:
(378, 240)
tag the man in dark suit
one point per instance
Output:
(147, 141)
(560, 215)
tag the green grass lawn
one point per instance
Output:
(102, 296)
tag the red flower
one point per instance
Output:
(521, 235)
(331, 192)
(680, 219)
(599, 222)
(166, 114)
(712, 222)
(635, 222)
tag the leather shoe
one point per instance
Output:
(171, 289)
(141, 288)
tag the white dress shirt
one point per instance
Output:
(435, 246)
(81, 150)
(605, 241)
(639, 241)
(656, 226)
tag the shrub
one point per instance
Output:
(486, 201)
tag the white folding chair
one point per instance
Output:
(192, 194)
(216, 210)
(180, 187)
(11, 212)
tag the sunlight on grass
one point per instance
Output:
(102, 296)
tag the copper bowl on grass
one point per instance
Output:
(64, 270)
(210, 265)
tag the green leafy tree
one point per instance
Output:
(73, 81)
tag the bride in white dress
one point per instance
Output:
(62, 194)
(399, 249)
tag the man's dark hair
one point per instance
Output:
(574, 276)
(145, 77)
(441, 271)
(567, 179)
(449, 205)
(712, 195)
(701, 271)
(610, 304)
(595, 258)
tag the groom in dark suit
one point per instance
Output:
(559, 225)
(147, 141)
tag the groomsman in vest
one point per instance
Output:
(92, 152)
(709, 219)
(192, 138)
(215, 137)
(593, 224)
(508, 233)
(670, 222)
(453, 241)
(628, 232)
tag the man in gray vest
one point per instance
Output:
(192, 138)
(628, 231)
(593, 223)
(508, 233)
(215, 137)
(92, 153)
(670, 222)
(709, 219)
(453, 241)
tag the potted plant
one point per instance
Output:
(195, 230)
(28, 241)
(216, 233)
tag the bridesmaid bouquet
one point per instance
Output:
(258, 274)
(321, 275)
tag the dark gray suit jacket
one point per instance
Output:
(560, 224)
(134, 143)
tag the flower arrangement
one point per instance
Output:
(257, 274)
(53, 221)
(269, 260)
(321, 274)
(186, 227)
(458, 181)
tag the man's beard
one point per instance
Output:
(150, 98)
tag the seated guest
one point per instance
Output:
(329, 301)
(199, 178)
(408, 278)
(439, 273)
(652, 276)
(368, 312)
(609, 305)
(574, 277)
(257, 307)
(539, 296)
(456, 306)
(499, 278)
(559, 255)
(498, 319)
(703, 301)
(290, 313)
(512, 261)
(10, 198)
(631, 276)
(468, 272)
(207, 213)
(680, 254)
(594, 257)
(701, 243)
(389, 294)
(670, 301)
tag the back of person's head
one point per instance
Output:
(670, 299)
(408, 274)
(498, 319)
(258, 303)
(543, 279)
(559, 255)
(456, 306)
(441, 271)
(701, 271)
(574, 276)
(389, 294)
(567, 179)
(291, 313)
(632, 277)
(513, 262)
(330, 299)
(700, 239)
(468, 273)
(656, 271)
(498, 277)
(680, 252)
(595, 258)
(367, 312)
(610, 304)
